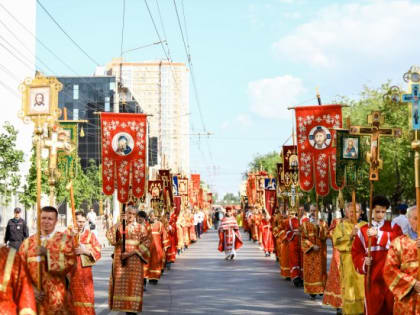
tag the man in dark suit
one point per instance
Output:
(16, 230)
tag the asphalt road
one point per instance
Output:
(202, 282)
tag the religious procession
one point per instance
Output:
(133, 180)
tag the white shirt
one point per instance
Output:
(402, 221)
(91, 216)
(200, 217)
(196, 218)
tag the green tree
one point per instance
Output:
(396, 179)
(267, 162)
(230, 198)
(10, 159)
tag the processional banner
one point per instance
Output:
(316, 146)
(166, 177)
(124, 154)
(251, 189)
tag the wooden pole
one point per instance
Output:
(124, 231)
(73, 212)
(415, 145)
(353, 200)
(38, 200)
(370, 238)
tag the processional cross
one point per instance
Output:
(375, 132)
(57, 140)
(373, 159)
(413, 99)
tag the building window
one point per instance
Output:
(75, 91)
(107, 104)
(75, 114)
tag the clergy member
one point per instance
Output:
(267, 235)
(126, 281)
(352, 282)
(379, 300)
(314, 249)
(17, 294)
(158, 248)
(294, 248)
(57, 258)
(229, 236)
(88, 253)
(401, 269)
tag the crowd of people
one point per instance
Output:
(56, 277)
(373, 269)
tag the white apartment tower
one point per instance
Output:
(162, 90)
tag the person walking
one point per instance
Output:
(16, 230)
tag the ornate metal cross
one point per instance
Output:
(413, 99)
(375, 132)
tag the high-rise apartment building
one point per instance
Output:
(162, 90)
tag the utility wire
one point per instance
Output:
(65, 33)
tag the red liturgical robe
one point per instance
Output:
(81, 279)
(160, 244)
(267, 237)
(400, 275)
(173, 239)
(60, 260)
(379, 300)
(16, 292)
(229, 236)
(314, 262)
(295, 254)
(126, 281)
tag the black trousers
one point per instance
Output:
(198, 229)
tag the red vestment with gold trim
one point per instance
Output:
(60, 260)
(126, 281)
(81, 279)
(314, 262)
(400, 275)
(379, 299)
(159, 245)
(16, 292)
(267, 236)
(294, 247)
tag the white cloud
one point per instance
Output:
(244, 120)
(225, 124)
(270, 97)
(346, 34)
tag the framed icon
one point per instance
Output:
(350, 148)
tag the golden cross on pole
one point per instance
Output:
(373, 158)
(57, 140)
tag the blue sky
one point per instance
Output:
(252, 59)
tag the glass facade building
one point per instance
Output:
(83, 96)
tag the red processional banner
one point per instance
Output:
(316, 139)
(156, 189)
(166, 177)
(177, 204)
(195, 189)
(270, 200)
(124, 154)
(183, 186)
(200, 198)
(210, 198)
(251, 189)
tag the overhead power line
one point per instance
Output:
(67, 35)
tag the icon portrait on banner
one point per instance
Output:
(39, 101)
(350, 148)
(122, 143)
(320, 137)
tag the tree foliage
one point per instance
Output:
(10, 159)
(396, 179)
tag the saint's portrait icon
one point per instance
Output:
(351, 148)
(39, 101)
(122, 144)
(320, 137)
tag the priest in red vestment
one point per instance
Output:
(294, 249)
(267, 235)
(401, 269)
(158, 248)
(379, 299)
(16, 292)
(88, 253)
(57, 258)
(229, 236)
(314, 249)
(126, 280)
(173, 240)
